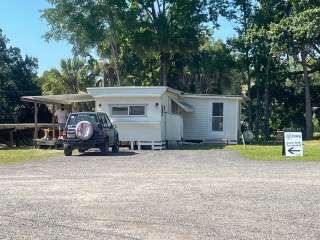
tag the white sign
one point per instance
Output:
(293, 144)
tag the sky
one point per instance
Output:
(21, 23)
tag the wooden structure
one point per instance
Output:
(65, 99)
(11, 128)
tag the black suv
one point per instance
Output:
(85, 130)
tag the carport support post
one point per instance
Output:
(11, 138)
(35, 121)
(53, 123)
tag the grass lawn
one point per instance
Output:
(273, 152)
(266, 152)
(24, 154)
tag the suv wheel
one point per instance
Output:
(81, 150)
(115, 147)
(104, 148)
(67, 150)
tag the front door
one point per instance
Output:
(216, 126)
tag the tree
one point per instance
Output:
(74, 77)
(212, 70)
(160, 28)
(297, 35)
(88, 25)
(17, 79)
(265, 64)
(243, 17)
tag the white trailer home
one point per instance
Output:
(155, 115)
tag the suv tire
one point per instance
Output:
(67, 150)
(81, 150)
(115, 147)
(104, 148)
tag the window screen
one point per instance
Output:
(137, 110)
(217, 124)
(217, 117)
(217, 109)
(131, 110)
(174, 107)
(120, 111)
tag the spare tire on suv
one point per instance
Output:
(84, 130)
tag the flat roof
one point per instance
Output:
(125, 91)
(195, 95)
(59, 99)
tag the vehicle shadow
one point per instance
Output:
(98, 153)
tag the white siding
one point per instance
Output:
(165, 101)
(197, 125)
(174, 127)
(230, 120)
(135, 128)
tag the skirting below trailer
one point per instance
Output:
(140, 145)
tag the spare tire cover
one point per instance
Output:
(84, 130)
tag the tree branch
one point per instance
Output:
(315, 69)
(159, 7)
(154, 14)
(316, 47)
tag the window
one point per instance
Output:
(174, 107)
(217, 117)
(75, 118)
(120, 111)
(131, 110)
(104, 120)
(136, 110)
(108, 120)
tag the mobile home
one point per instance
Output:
(155, 115)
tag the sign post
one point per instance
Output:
(293, 144)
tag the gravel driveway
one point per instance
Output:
(160, 195)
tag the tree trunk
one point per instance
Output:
(164, 57)
(249, 89)
(114, 49)
(257, 120)
(309, 130)
(115, 56)
(267, 103)
(246, 10)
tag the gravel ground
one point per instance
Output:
(160, 195)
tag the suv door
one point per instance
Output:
(110, 130)
(103, 124)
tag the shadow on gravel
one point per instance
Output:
(98, 153)
(202, 146)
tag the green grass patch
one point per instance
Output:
(274, 152)
(264, 152)
(21, 155)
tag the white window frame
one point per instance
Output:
(128, 106)
(215, 117)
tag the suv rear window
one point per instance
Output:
(75, 118)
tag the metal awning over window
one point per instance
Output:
(185, 106)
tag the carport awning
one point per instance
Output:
(59, 99)
(185, 106)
